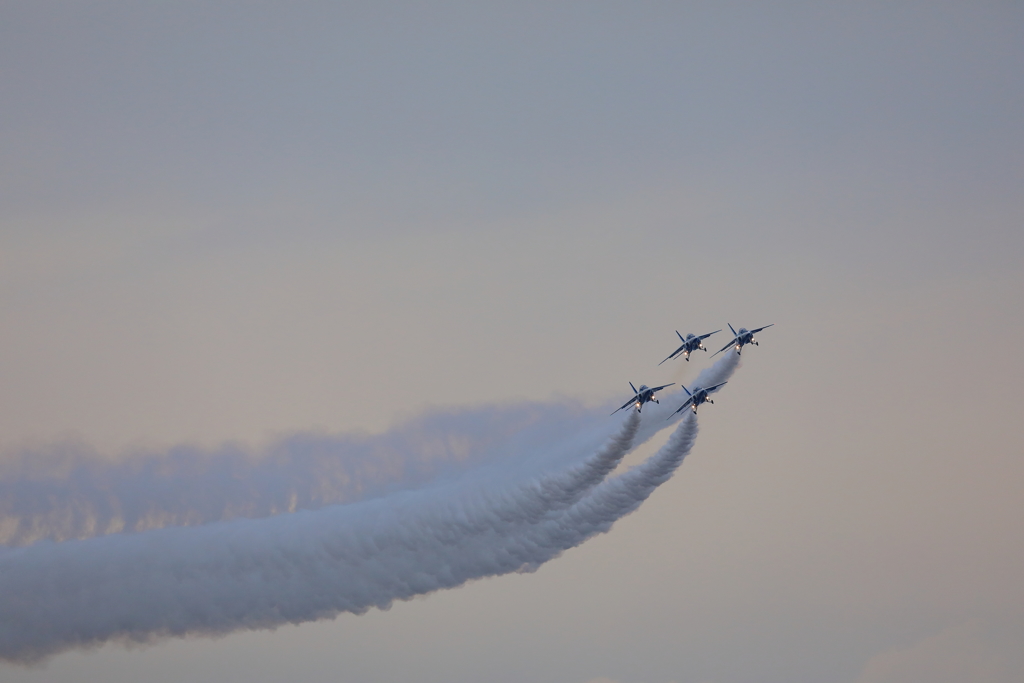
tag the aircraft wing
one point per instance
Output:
(674, 353)
(686, 404)
(733, 342)
(661, 387)
(760, 328)
(710, 389)
(625, 405)
(705, 336)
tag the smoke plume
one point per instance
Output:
(514, 491)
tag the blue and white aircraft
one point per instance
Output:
(698, 396)
(644, 395)
(691, 343)
(741, 339)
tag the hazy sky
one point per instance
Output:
(230, 221)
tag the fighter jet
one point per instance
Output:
(690, 344)
(699, 395)
(643, 395)
(741, 339)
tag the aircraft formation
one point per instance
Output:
(691, 343)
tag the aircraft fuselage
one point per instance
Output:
(743, 337)
(644, 394)
(692, 344)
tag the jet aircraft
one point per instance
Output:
(741, 339)
(643, 395)
(699, 395)
(690, 344)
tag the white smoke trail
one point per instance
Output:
(289, 568)
(69, 492)
(599, 509)
(617, 497)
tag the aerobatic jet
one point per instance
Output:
(644, 394)
(698, 396)
(690, 344)
(741, 339)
